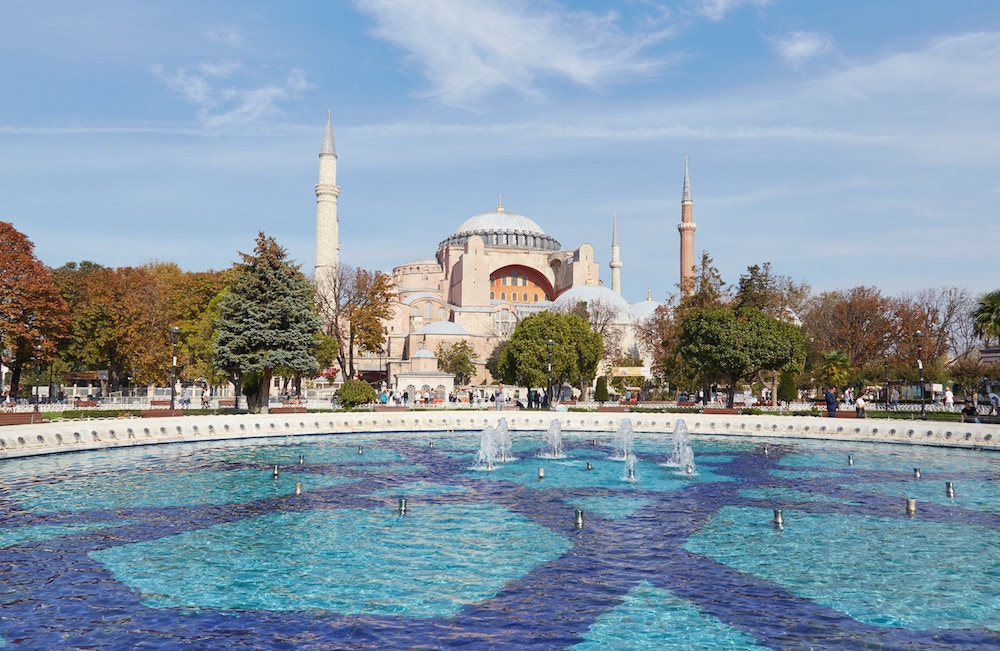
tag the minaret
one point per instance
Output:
(686, 229)
(616, 260)
(327, 242)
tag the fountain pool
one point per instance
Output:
(199, 546)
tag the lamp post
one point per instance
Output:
(175, 334)
(551, 346)
(920, 367)
(38, 371)
(885, 367)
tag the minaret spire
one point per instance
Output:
(616, 260)
(327, 221)
(686, 229)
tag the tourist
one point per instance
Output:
(849, 396)
(894, 398)
(831, 402)
(949, 399)
(206, 398)
(859, 407)
(499, 397)
(994, 402)
(969, 413)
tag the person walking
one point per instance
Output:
(949, 399)
(831, 402)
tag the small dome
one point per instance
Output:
(644, 309)
(424, 354)
(594, 294)
(443, 328)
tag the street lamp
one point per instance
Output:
(920, 366)
(551, 345)
(175, 335)
(38, 371)
(885, 366)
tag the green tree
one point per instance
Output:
(787, 387)
(987, 316)
(493, 361)
(267, 319)
(356, 392)
(835, 369)
(601, 392)
(733, 345)
(459, 359)
(576, 351)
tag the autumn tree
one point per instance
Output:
(459, 359)
(267, 321)
(354, 306)
(33, 315)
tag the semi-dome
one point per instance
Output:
(501, 228)
(594, 294)
(443, 328)
(424, 354)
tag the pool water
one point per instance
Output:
(200, 546)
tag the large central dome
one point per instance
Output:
(503, 229)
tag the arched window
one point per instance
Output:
(493, 295)
(427, 310)
(441, 314)
(414, 311)
(503, 296)
(524, 297)
(536, 298)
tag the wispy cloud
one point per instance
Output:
(226, 34)
(797, 48)
(470, 49)
(222, 105)
(719, 9)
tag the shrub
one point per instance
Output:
(356, 392)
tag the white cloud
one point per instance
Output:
(232, 105)
(796, 48)
(469, 49)
(719, 9)
(226, 34)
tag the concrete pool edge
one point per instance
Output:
(75, 435)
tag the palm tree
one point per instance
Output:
(836, 368)
(987, 316)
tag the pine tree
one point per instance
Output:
(267, 321)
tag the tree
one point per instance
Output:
(33, 315)
(709, 289)
(776, 296)
(601, 392)
(355, 305)
(860, 322)
(836, 368)
(576, 351)
(734, 345)
(787, 387)
(267, 320)
(356, 392)
(987, 317)
(459, 359)
(493, 361)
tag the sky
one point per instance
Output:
(847, 143)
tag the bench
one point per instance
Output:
(613, 408)
(391, 408)
(287, 410)
(686, 403)
(153, 413)
(841, 413)
(84, 403)
(227, 402)
(720, 411)
(159, 403)
(22, 418)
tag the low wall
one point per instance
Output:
(71, 435)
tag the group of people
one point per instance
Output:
(832, 403)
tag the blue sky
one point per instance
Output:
(854, 142)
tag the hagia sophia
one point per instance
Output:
(494, 269)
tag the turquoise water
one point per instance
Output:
(189, 546)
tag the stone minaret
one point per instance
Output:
(327, 225)
(686, 229)
(616, 260)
